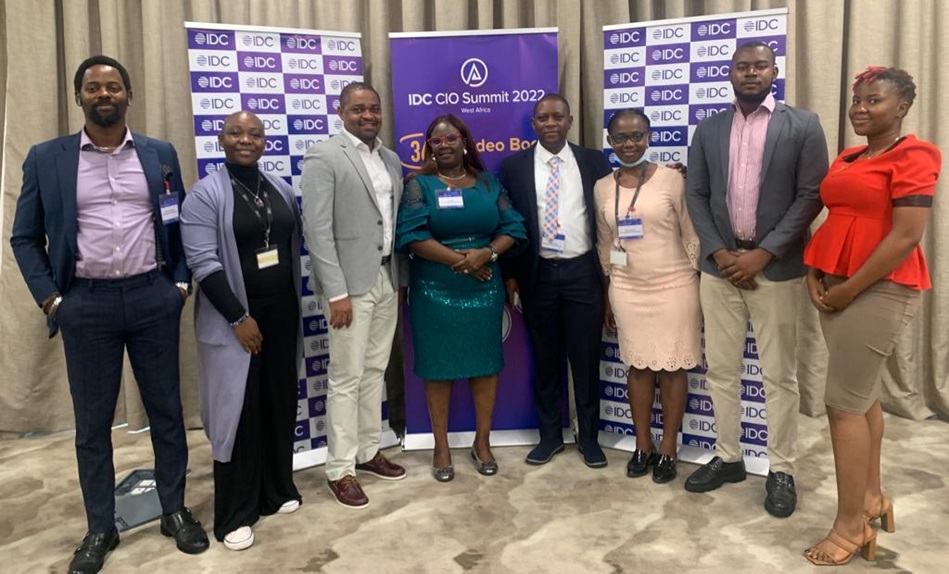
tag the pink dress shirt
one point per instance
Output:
(745, 154)
(116, 235)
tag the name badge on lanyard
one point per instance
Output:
(450, 198)
(630, 228)
(556, 244)
(267, 257)
(168, 202)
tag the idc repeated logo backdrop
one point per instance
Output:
(291, 79)
(676, 71)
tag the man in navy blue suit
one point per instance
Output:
(96, 238)
(558, 276)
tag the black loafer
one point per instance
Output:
(782, 496)
(592, 455)
(639, 464)
(714, 474)
(90, 555)
(664, 469)
(543, 452)
(189, 535)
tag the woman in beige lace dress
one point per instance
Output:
(648, 250)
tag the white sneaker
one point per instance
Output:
(288, 507)
(240, 539)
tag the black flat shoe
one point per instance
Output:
(664, 469)
(90, 555)
(639, 464)
(714, 474)
(487, 468)
(189, 535)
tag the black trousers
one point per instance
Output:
(259, 477)
(99, 319)
(564, 317)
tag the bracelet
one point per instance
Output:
(494, 253)
(240, 321)
(54, 305)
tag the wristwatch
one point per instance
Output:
(494, 253)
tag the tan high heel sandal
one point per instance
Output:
(885, 515)
(868, 548)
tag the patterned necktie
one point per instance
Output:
(552, 209)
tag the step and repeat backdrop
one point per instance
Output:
(291, 79)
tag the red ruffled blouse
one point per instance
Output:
(860, 195)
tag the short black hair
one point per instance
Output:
(901, 80)
(756, 44)
(101, 60)
(627, 112)
(552, 97)
(355, 87)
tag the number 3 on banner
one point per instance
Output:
(416, 152)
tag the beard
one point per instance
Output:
(753, 98)
(108, 120)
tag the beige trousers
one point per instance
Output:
(773, 309)
(358, 358)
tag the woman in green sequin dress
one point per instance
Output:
(456, 220)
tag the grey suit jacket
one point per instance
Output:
(794, 163)
(342, 220)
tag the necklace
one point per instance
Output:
(867, 154)
(257, 201)
(464, 172)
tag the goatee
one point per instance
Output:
(753, 98)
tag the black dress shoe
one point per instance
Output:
(592, 455)
(714, 474)
(664, 469)
(543, 452)
(639, 464)
(782, 497)
(189, 535)
(91, 554)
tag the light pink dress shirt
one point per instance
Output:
(116, 235)
(745, 154)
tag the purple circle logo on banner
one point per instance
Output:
(474, 72)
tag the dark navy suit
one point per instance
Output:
(562, 301)
(101, 318)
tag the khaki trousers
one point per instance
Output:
(358, 358)
(773, 309)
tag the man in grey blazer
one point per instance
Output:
(351, 188)
(752, 192)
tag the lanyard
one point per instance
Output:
(246, 194)
(639, 186)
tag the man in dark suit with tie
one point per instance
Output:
(752, 192)
(558, 277)
(96, 238)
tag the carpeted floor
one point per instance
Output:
(562, 517)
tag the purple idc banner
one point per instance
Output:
(492, 82)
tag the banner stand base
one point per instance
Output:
(694, 455)
(525, 437)
(317, 456)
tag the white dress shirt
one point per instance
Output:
(573, 212)
(381, 186)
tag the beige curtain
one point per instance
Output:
(42, 42)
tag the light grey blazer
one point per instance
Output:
(793, 166)
(207, 231)
(342, 220)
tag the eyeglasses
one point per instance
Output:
(450, 139)
(620, 139)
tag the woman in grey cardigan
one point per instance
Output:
(241, 230)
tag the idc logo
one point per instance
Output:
(258, 62)
(751, 348)
(754, 434)
(702, 425)
(697, 442)
(268, 104)
(712, 92)
(666, 156)
(346, 66)
(317, 406)
(754, 412)
(716, 50)
(623, 38)
(317, 386)
(342, 46)
(248, 40)
(312, 64)
(225, 104)
(337, 84)
(669, 136)
(763, 26)
(298, 84)
(212, 146)
(624, 58)
(213, 61)
(668, 54)
(315, 326)
(751, 370)
(752, 391)
(667, 95)
(665, 116)
(700, 406)
(306, 125)
(625, 97)
(714, 30)
(209, 166)
(272, 124)
(317, 366)
(276, 145)
(667, 74)
(297, 43)
(269, 82)
(699, 113)
(669, 34)
(303, 144)
(210, 40)
(474, 72)
(213, 82)
(619, 78)
(306, 104)
(333, 104)
(710, 71)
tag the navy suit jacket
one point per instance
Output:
(517, 177)
(46, 222)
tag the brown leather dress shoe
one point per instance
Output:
(348, 492)
(382, 467)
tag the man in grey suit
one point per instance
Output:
(351, 188)
(752, 192)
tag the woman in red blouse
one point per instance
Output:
(866, 274)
